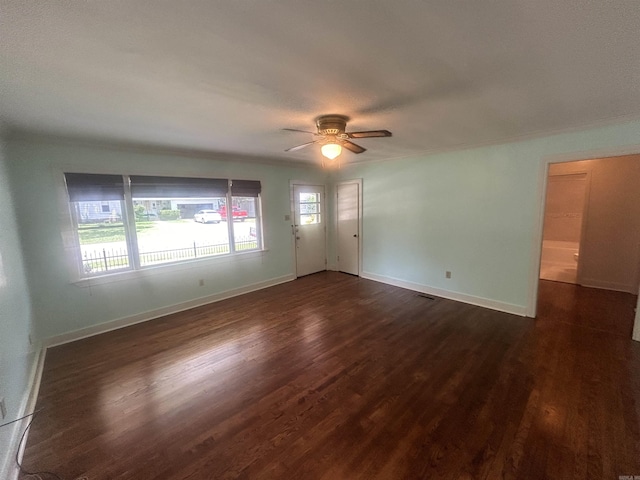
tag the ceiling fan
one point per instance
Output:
(332, 136)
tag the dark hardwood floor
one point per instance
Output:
(336, 377)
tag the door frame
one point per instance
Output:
(357, 181)
(536, 251)
(292, 217)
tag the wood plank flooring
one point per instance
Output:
(337, 377)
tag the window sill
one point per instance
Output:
(167, 268)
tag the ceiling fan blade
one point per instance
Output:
(370, 133)
(299, 147)
(353, 147)
(301, 131)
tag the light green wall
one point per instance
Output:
(16, 357)
(472, 212)
(60, 306)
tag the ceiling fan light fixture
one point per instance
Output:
(332, 137)
(331, 150)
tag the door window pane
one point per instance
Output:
(306, 208)
(309, 197)
(309, 204)
(309, 219)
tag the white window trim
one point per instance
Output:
(204, 262)
(71, 243)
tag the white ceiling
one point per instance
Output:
(228, 75)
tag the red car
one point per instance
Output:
(238, 214)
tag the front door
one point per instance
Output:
(309, 229)
(348, 199)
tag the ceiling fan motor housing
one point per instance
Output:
(331, 124)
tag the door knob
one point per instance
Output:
(297, 238)
(354, 235)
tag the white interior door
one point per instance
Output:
(309, 229)
(348, 206)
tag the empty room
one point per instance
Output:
(319, 240)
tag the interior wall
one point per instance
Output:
(476, 213)
(16, 354)
(610, 247)
(472, 212)
(60, 306)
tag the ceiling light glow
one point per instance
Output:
(331, 150)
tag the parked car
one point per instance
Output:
(238, 214)
(207, 216)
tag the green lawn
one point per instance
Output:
(107, 232)
(240, 246)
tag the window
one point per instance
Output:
(177, 218)
(133, 222)
(244, 201)
(309, 208)
(101, 234)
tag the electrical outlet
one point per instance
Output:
(3, 408)
(447, 274)
(201, 282)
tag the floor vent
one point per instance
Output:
(423, 295)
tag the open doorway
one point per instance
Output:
(592, 211)
(601, 239)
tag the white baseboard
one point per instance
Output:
(9, 470)
(459, 297)
(161, 312)
(618, 287)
